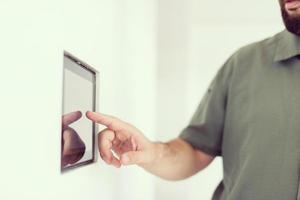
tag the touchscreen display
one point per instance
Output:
(77, 131)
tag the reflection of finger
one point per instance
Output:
(69, 118)
(69, 159)
(108, 121)
(73, 147)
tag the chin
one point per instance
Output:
(291, 21)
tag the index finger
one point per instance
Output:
(69, 118)
(106, 120)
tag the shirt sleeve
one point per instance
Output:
(205, 130)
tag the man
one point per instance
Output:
(250, 116)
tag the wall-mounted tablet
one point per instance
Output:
(79, 96)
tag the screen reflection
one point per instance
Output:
(77, 131)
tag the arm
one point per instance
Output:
(177, 160)
(174, 160)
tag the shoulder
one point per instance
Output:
(249, 57)
(263, 49)
(254, 54)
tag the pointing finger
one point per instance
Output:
(106, 120)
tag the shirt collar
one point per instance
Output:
(288, 46)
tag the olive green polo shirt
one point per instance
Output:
(250, 116)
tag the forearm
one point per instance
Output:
(176, 160)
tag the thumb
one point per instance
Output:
(132, 157)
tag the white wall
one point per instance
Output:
(195, 38)
(155, 59)
(108, 35)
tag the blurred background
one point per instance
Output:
(156, 59)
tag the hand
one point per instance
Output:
(126, 141)
(73, 148)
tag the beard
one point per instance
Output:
(292, 23)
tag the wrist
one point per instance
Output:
(155, 154)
